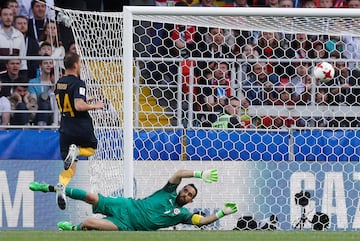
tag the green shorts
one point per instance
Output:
(116, 211)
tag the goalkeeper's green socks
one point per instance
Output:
(75, 193)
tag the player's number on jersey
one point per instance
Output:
(65, 107)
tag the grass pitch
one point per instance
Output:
(179, 236)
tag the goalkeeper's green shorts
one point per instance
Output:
(116, 211)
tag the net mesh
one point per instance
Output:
(98, 40)
(301, 136)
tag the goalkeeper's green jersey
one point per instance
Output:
(151, 213)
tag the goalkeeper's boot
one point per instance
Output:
(60, 196)
(66, 226)
(71, 156)
(37, 186)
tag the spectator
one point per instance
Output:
(353, 4)
(72, 47)
(36, 24)
(217, 48)
(259, 85)
(51, 35)
(287, 38)
(285, 97)
(318, 51)
(214, 88)
(26, 8)
(12, 41)
(242, 38)
(247, 52)
(269, 47)
(214, 47)
(184, 43)
(339, 89)
(4, 110)
(230, 117)
(205, 3)
(245, 118)
(303, 93)
(202, 83)
(10, 76)
(334, 44)
(352, 43)
(21, 24)
(273, 3)
(326, 3)
(237, 3)
(21, 100)
(301, 46)
(344, 91)
(43, 92)
(309, 4)
(237, 38)
(302, 83)
(284, 93)
(321, 99)
(13, 5)
(220, 84)
(286, 3)
(45, 49)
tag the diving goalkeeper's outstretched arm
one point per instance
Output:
(208, 176)
(228, 208)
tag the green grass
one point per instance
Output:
(179, 236)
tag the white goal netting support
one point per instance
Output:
(168, 73)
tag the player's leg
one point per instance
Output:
(67, 174)
(87, 144)
(89, 224)
(73, 193)
(98, 224)
(73, 146)
(79, 146)
(71, 156)
(68, 149)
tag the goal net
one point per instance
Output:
(168, 75)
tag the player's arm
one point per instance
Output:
(229, 208)
(81, 105)
(208, 175)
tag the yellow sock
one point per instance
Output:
(86, 151)
(65, 176)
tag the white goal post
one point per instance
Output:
(142, 141)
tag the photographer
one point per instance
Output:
(319, 221)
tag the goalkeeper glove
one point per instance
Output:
(208, 175)
(229, 208)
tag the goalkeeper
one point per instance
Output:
(164, 208)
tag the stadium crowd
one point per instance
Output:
(261, 68)
(28, 28)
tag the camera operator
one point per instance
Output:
(319, 221)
